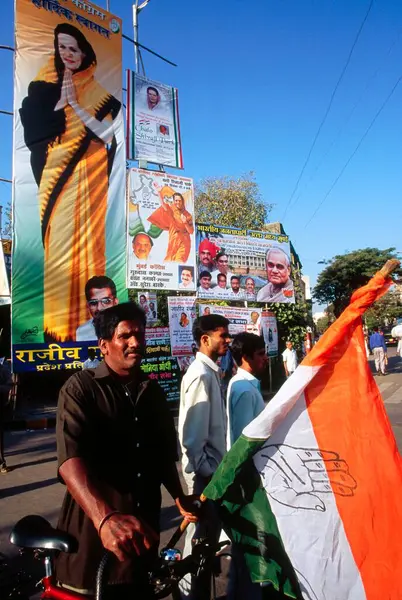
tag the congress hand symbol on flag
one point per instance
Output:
(300, 475)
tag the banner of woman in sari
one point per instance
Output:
(69, 170)
(160, 232)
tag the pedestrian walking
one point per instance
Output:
(289, 357)
(116, 446)
(379, 350)
(244, 404)
(202, 433)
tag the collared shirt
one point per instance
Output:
(205, 293)
(290, 358)
(125, 434)
(240, 295)
(91, 364)
(202, 418)
(244, 403)
(271, 293)
(86, 332)
(377, 341)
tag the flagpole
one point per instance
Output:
(136, 11)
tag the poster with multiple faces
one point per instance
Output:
(241, 264)
(160, 231)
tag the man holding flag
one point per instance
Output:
(311, 489)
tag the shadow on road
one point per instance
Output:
(28, 487)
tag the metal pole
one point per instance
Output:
(107, 5)
(135, 27)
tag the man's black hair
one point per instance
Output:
(234, 277)
(205, 274)
(142, 233)
(221, 275)
(106, 321)
(245, 344)
(99, 282)
(206, 325)
(375, 328)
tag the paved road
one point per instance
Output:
(32, 486)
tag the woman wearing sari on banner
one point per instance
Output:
(68, 127)
(177, 221)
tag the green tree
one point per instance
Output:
(384, 311)
(235, 202)
(347, 272)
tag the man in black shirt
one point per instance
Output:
(116, 445)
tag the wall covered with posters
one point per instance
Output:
(240, 319)
(69, 173)
(160, 231)
(241, 264)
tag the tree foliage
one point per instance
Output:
(235, 202)
(384, 311)
(347, 272)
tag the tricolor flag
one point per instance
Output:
(312, 490)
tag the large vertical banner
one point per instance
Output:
(269, 330)
(153, 126)
(69, 174)
(160, 231)
(182, 314)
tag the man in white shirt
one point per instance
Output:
(244, 404)
(100, 293)
(204, 289)
(91, 362)
(289, 359)
(187, 279)
(202, 429)
(222, 266)
(235, 293)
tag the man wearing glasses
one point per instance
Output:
(279, 287)
(100, 292)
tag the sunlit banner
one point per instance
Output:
(153, 126)
(240, 319)
(241, 264)
(269, 330)
(182, 314)
(160, 231)
(69, 177)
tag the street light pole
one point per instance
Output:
(136, 11)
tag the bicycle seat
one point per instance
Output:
(34, 531)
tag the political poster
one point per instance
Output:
(159, 364)
(269, 330)
(241, 264)
(69, 179)
(160, 232)
(149, 304)
(153, 126)
(240, 319)
(182, 314)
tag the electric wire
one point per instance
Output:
(363, 137)
(331, 100)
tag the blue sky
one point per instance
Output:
(254, 82)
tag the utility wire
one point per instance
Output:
(346, 121)
(337, 178)
(331, 100)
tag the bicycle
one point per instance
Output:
(34, 533)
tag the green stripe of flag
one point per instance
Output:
(248, 519)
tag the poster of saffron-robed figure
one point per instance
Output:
(160, 231)
(69, 170)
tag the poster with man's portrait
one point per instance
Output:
(153, 130)
(240, 264)
(160, 231)
(68, 184)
